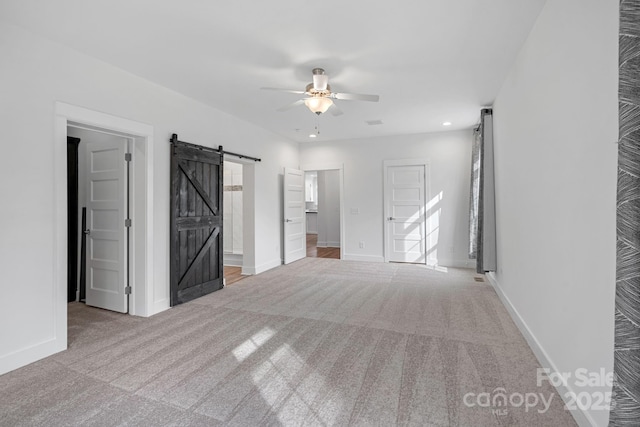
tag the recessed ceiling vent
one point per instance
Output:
(373, 122)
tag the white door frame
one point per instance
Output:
(308, 167)
(141, 188)
(427, 198)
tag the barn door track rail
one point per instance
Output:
(174, 140)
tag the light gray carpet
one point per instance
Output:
(318, 342)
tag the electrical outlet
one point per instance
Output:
(361, 245)
(355, 211)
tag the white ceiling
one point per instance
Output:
(430, 61)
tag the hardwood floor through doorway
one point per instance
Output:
(314, 251)
(232, 274)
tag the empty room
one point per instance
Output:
(419, 213)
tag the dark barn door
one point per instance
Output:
(196, 221)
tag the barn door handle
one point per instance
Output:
(87, 231)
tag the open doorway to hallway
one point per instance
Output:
(233, 218)
(323, 213)
(313, 251)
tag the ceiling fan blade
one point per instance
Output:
(292, 105)
(282, 90)
(355, 97)
(335, 110)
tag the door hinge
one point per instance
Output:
(127, 157)
(127, 290)
(127, 222)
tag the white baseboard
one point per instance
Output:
(159, 306)
(253, 270)
(457, 263)
(234, 260)
(581, 417)
(25, 356)
(367, 258)
(329, 244)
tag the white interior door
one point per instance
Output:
(405, 213)
(295, 238)
(106, 231)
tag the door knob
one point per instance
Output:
(391, 218)
(87, 231)
(288, 220)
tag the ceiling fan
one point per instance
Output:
(319, 96)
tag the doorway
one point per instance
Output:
(322, 211)
(148, 297)
(233, 221)
(325, 231)
(239, 215)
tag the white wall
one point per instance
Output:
(555, 124)
(450, 162)
(329, 208)
(36, 73)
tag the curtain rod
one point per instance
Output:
(174, 140)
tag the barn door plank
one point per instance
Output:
(192, 175)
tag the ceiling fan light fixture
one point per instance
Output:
(318, 104)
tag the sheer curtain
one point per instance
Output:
(482, 212)
(474, 200)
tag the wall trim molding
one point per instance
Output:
(365, 258)
(329, 244)
(162, 305)
(27, 355)
(581, 417)
(455, 263)
(257, 269)
(234, 260)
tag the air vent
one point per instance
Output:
(373, 122)
(478, 279)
